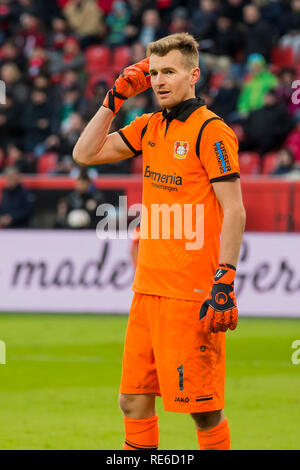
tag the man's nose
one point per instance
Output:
(160, 79)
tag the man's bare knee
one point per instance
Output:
(208, 420)
(137, 406)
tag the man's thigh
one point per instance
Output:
(139, 374)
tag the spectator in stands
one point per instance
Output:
(52, 144)
(204, 19)
(44, 10)
(37, 62)
(226, 42)
(86, 19)
(14, 82)
(152, 28)
(136, 9)
(69, 78)
(70, 58)
(234, 9)
(24, 163)
(10, 53)
(6, 15)
(117, 21)
(166, 8)
(253, 91)
(36, 120)
(258, 34)
(42, 82)
(30, 35)
(70, 133)
(266, 128)
(58, 33)
(274, 13)
(10, 126)
(17, 205)
(286, 163)
(64, 166)
(61, 215)
(179, 21)
(284, 90)
(226, 98)
(292, 18)
(72, 102)
(292, 39)
(82, 203)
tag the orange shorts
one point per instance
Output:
(165, 353)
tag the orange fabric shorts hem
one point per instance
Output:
(167, 354)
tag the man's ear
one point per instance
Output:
(195, 76)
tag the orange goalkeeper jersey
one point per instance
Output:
(184, 151)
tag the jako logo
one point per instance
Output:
(182, 399)
(2, 353)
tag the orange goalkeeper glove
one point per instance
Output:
(132, 81)
(219, 312)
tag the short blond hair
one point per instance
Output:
(183, 42)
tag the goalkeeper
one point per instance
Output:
(184, 299)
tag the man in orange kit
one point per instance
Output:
(192, 223)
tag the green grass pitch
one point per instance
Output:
(59, 388)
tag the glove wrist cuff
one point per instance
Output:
(225, 274)
(113, 100)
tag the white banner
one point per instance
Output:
(64, 271)
(268, 275)
(74, 271)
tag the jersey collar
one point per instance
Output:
(183, 110)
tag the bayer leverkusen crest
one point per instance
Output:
(181, 149)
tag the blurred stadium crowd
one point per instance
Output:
(59, 57)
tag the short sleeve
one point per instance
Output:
(219, 151)
(133, 133)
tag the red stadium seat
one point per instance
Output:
(47, 163)
(282, 56)
(249, 163)
(121, 58)
(269, 163)
(97, 59)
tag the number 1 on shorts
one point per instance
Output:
(180, 370)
